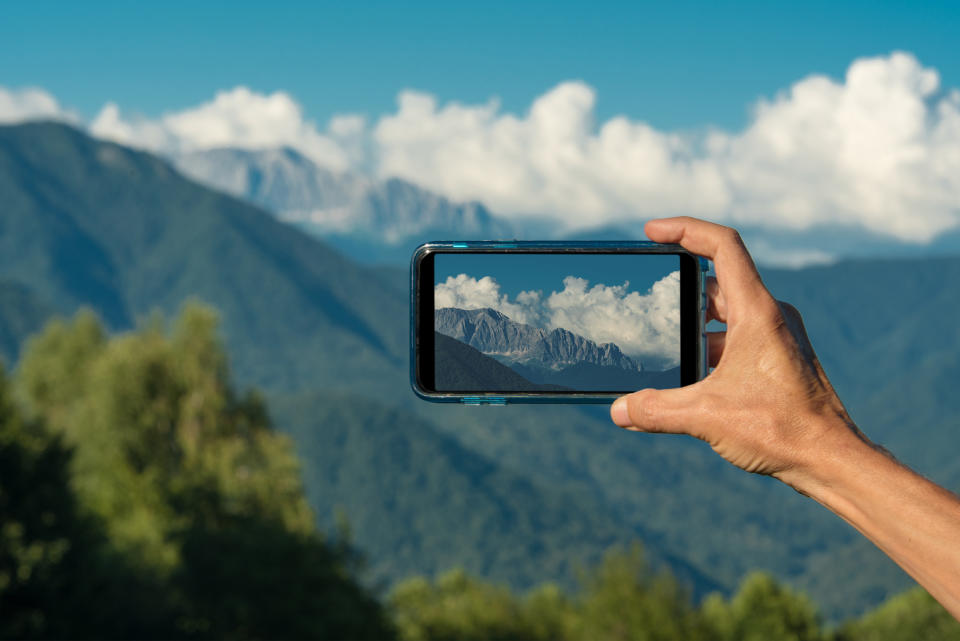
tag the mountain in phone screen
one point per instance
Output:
(532, 358)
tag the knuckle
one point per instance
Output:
(732, 237)
(767, 310)
(644, 409)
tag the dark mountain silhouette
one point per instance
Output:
(461, 368)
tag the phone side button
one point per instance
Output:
(483, 400)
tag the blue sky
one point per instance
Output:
(675, 65)
(795, 123)
(545, 272)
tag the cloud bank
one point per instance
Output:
(878, 150)
(31, 103)
(236, 118)
(643, 325)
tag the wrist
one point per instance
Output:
(841, 455)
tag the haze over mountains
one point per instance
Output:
(514, 494)
(374, 221)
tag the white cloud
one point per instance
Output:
(879, 150)
(235, 118)
(550, 161)
(30, 103)
(641, 325)
(465, 292)
(646, 325)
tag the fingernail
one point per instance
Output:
(619, 412)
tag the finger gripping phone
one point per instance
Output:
(554, 322)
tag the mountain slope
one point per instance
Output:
(21, 314)
(461, 368)
(420, 502)
(89, 222)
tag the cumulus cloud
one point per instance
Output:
(879, 150)
(550, 161)
(466, 292)
(645, 325)
(235, 118)
(18, 105)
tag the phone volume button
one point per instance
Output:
(483, 400)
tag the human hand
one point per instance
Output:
(767, 407)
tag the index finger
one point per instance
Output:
(736, 272)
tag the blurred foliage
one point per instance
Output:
(622, 598)
(142, 497)
(911, 616)
(136, 447)
(762, 610)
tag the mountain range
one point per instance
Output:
(555, 357)
(494, 334)
(515, 494)
(375, 221)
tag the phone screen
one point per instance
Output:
(556, 323)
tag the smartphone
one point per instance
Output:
(554, 322)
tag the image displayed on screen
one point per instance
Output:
(556, 322)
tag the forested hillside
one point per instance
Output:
(91, 223)
(518, 495)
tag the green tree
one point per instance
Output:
(548, 613)
(190, 481)
(59, 577)
(38, 523)
(762, 610)
(456, 606)
(911, 616)
(623, 598)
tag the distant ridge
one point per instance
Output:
(497, 335)
(371, 220)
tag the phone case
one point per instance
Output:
(571, 246)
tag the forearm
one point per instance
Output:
(914, 521)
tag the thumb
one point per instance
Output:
(651, 410)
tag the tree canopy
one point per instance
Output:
(143, 436)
